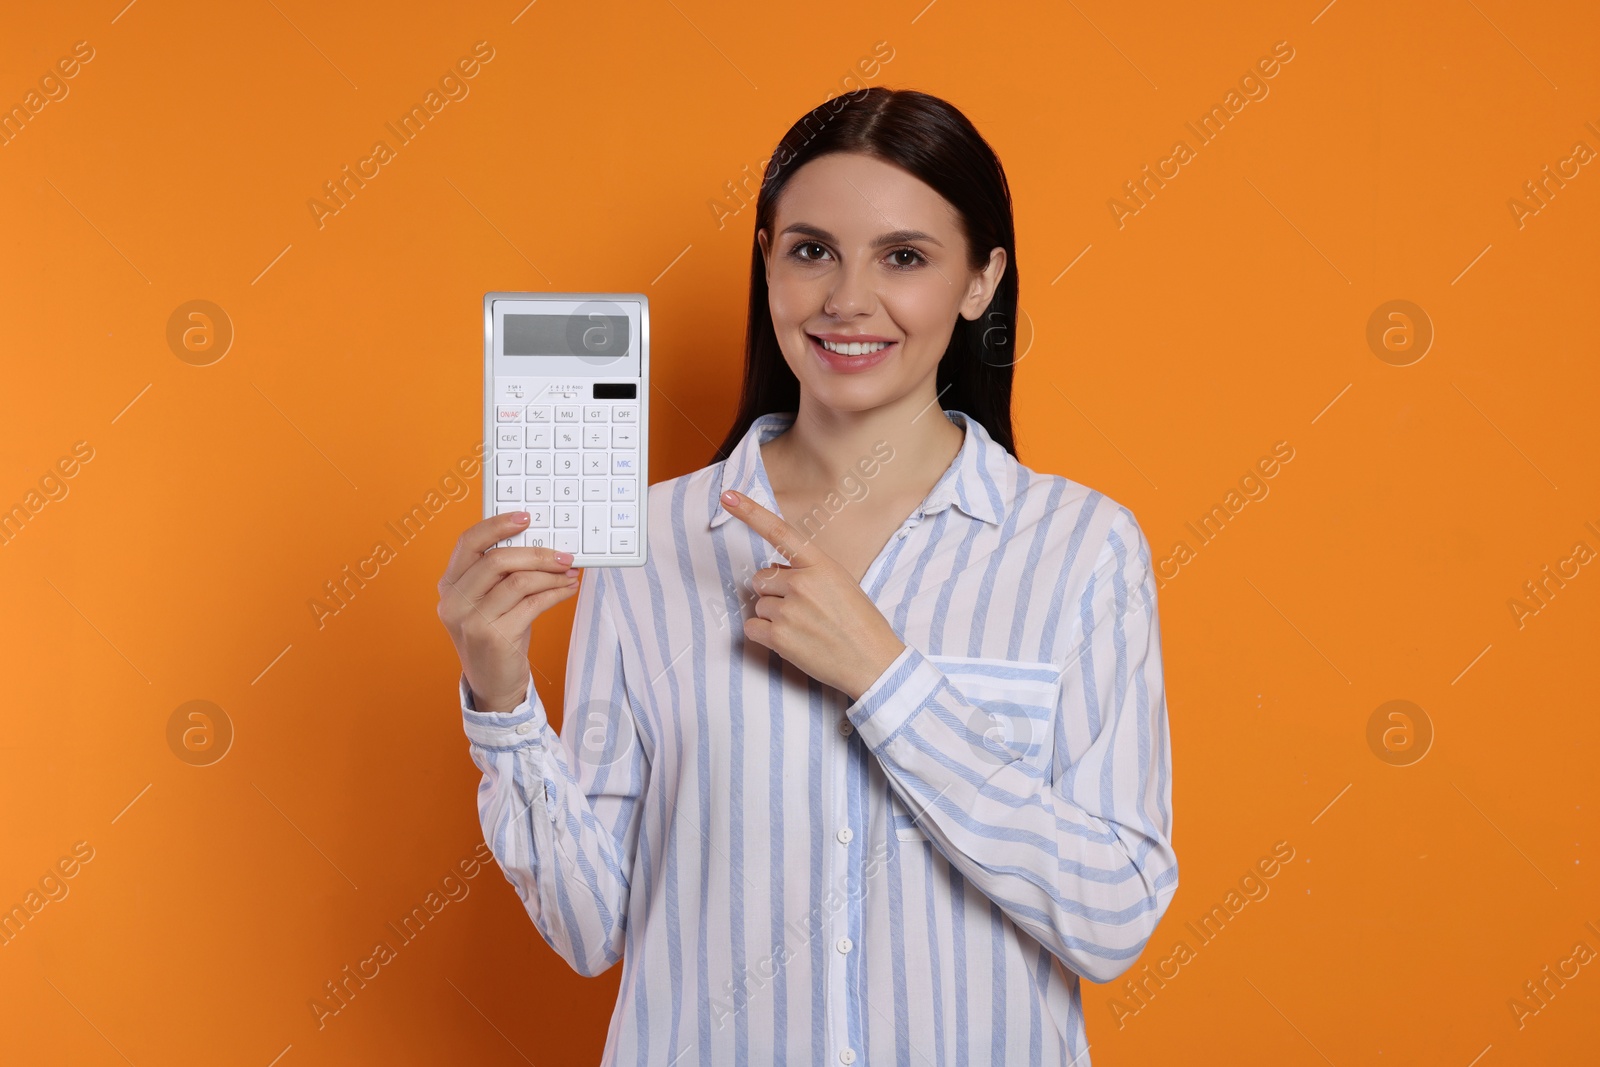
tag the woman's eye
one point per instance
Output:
(796, 251)
(916, 257)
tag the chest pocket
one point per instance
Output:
(1012, 718)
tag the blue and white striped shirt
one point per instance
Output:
(917, 877)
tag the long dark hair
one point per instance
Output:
(930, 139)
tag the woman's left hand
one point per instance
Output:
(811, 612)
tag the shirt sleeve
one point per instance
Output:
(1082, 858)
(561, 812)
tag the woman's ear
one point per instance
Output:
(984, 283)
(766, 253)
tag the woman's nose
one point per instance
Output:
(851, 293)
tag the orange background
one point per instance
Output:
(1227, 315)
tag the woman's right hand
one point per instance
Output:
(488, 601)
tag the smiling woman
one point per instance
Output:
(924, 786)
(934, 277)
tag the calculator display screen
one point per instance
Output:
(566, 335)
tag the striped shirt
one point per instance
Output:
(789, 877)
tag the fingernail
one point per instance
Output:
(730, 498)
(572, 572)
(519, 516)
(564, 557)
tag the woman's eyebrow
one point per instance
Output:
(894, 238)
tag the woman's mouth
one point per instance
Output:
(851, 357)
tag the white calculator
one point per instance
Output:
(567, 419)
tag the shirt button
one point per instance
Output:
(525, 728)
(844, 944)
(845, 727)
(844, 836)
(847, 1056)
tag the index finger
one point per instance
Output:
(477, 538)
(779, 534)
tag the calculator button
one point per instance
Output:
(625, 413)
(624, 463)
(508, 463)
(567, 516)
(622, 515)
(594, 489)
(538, 465)
(566, 541)
(539, 436)
(596, 528)
(566, 490)
(507, 489)
(539, 413)
(596, 413)
(508, 437)
(596, 436)
(623, 488)
(566, 464)
(596, 463)
(624, 437)
(538, 516)
(538, 490)
(508, 413)
(567, 437)
(566, 413)
(623, 542)
(539, 538)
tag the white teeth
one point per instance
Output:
(854, 349)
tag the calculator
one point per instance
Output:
(567, 421)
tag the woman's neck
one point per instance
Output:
(822, 446)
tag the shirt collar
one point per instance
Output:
(973, 482)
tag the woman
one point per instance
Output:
(870, 761)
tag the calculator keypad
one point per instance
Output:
(574, 467)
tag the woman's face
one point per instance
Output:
(862, 250)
